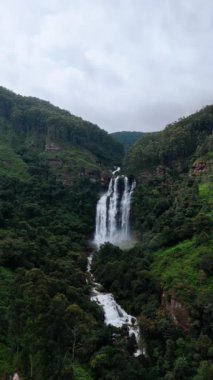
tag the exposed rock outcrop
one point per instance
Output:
(177, 311)
(199, 167)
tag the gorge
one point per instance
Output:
(53, 166)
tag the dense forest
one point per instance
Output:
(53, 166)
(127, 139)
(166, 279)
(35, 129)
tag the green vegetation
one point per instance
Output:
(11, 164)
(49, 328)
(126, 138)
(80, 373)
(50, 168)
(184, 268)
(68, 163)
(30, 128)
(166, 279)
(206, 192)
(173, 148)
(51, 164)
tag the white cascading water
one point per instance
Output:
(113, 211)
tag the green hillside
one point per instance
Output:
(53, 166)
(31, 128)
(166, 279)
(126, 138)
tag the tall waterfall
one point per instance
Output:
(113, 211)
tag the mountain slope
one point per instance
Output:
(49, 329)
(174, 169)
(31, 127)
(174, 197)
(166, 279)
(179, 142)
(126, 138)
(51, 164)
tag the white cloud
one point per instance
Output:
(123, 64)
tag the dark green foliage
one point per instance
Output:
(174, 146)
(47, 320)
(50, 169)
(171, 353)
(49, 328)
(43, 291)
(127, 139)
(30, 123)
(127, 275)
(167, 277)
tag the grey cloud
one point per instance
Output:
(123, 64)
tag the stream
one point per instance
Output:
(114, 314)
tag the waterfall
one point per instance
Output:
(113, 211)
(112, 225)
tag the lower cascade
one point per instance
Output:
(113, 212)
(114, 314)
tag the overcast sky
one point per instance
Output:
(122, 64)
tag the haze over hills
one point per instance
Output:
(53, 167)
(127, 139)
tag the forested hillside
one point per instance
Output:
(31, 128)
(126, 138)
(166, 279)
(51, 168)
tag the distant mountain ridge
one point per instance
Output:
(127, 138)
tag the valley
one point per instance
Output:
(56, 191)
